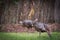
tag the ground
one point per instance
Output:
(28, 36)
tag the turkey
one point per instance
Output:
(27, 23)
(42, 27)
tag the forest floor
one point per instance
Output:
(19, 28)
(28, 36)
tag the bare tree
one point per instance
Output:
(57, 11)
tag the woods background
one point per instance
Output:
(12, 11)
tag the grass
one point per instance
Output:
(28, 36)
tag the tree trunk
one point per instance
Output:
(57, 11)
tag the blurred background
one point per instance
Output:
(13, 11)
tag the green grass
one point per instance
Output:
(28, 36)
